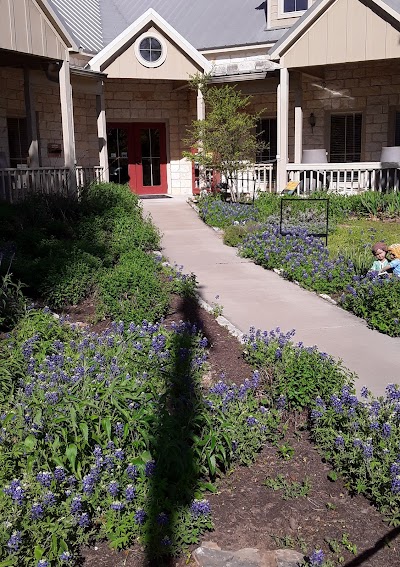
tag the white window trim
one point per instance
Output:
(151, 64)
(297, 14)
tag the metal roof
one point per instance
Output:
(82, 17)
(206, 24)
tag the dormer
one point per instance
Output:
(285, 13)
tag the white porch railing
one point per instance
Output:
(348, 178)
(255, 178)
(15, 184)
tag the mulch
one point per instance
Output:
(248, 514)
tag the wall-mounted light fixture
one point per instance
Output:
(312, 121)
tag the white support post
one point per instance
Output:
(102, 132)
(33, 151)
(298, 122)
(201, 115)
(201, 106)
(67, 117)
(283, 129)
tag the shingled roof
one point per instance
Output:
(205, 24)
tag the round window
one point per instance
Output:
(151, 51)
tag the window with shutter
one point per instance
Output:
(18, 141)
(397, 129)
(267, 133)
(345, 143)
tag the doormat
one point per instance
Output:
(154, 196)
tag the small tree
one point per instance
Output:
(226, 141)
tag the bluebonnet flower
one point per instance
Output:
(52, 397)
(132, 471)
(200, 508)
(49, 499)
(117, 506)
(386, 430)
(88, 483)
(316, 414)
(76, 505)
(113, 488)
(364, 392)
(162, 519)
(281, 402)
(44, 478)
(130, 492)
(396, 484)
(140, 517)
(37, 511)
(317, 558)
(14, 541)
(59, 474)
(357, 442)
(119, 454)
(251, 421)
(16, 491)
(375, 426)
(42, 563)
(149, 468)
(339, 441)
(65, 556)
(166, 541)
(84, 520)
(368, 450)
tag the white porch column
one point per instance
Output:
(201, 106)
(298, 122)
(33, 151)
(283, 129)
(67, 117)
(102, 132)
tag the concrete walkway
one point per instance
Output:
(252, 296)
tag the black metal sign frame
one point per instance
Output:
(317, 234)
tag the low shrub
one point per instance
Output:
(377, 300)
(360, 438)
(111, 437)
(234, 234)
(132, 290)
(295, 374)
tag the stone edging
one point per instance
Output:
(211, 555)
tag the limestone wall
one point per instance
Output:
(157, 101)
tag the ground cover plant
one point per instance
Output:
(65, 249)
(111, 436)
(294, 374)
(360, 437)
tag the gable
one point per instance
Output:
(177, 64)
(26, 27)
(345, 31)
(120, 58)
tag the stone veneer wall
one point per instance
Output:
(47, 104)
(129, 100)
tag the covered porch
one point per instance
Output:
(338, 104)
(52, 118)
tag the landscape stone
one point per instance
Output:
(288, 558)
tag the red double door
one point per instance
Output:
(137, 154)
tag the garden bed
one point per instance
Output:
(248, 514)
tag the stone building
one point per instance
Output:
(99, 89)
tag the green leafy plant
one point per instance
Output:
(291, 489)
(226, 140)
